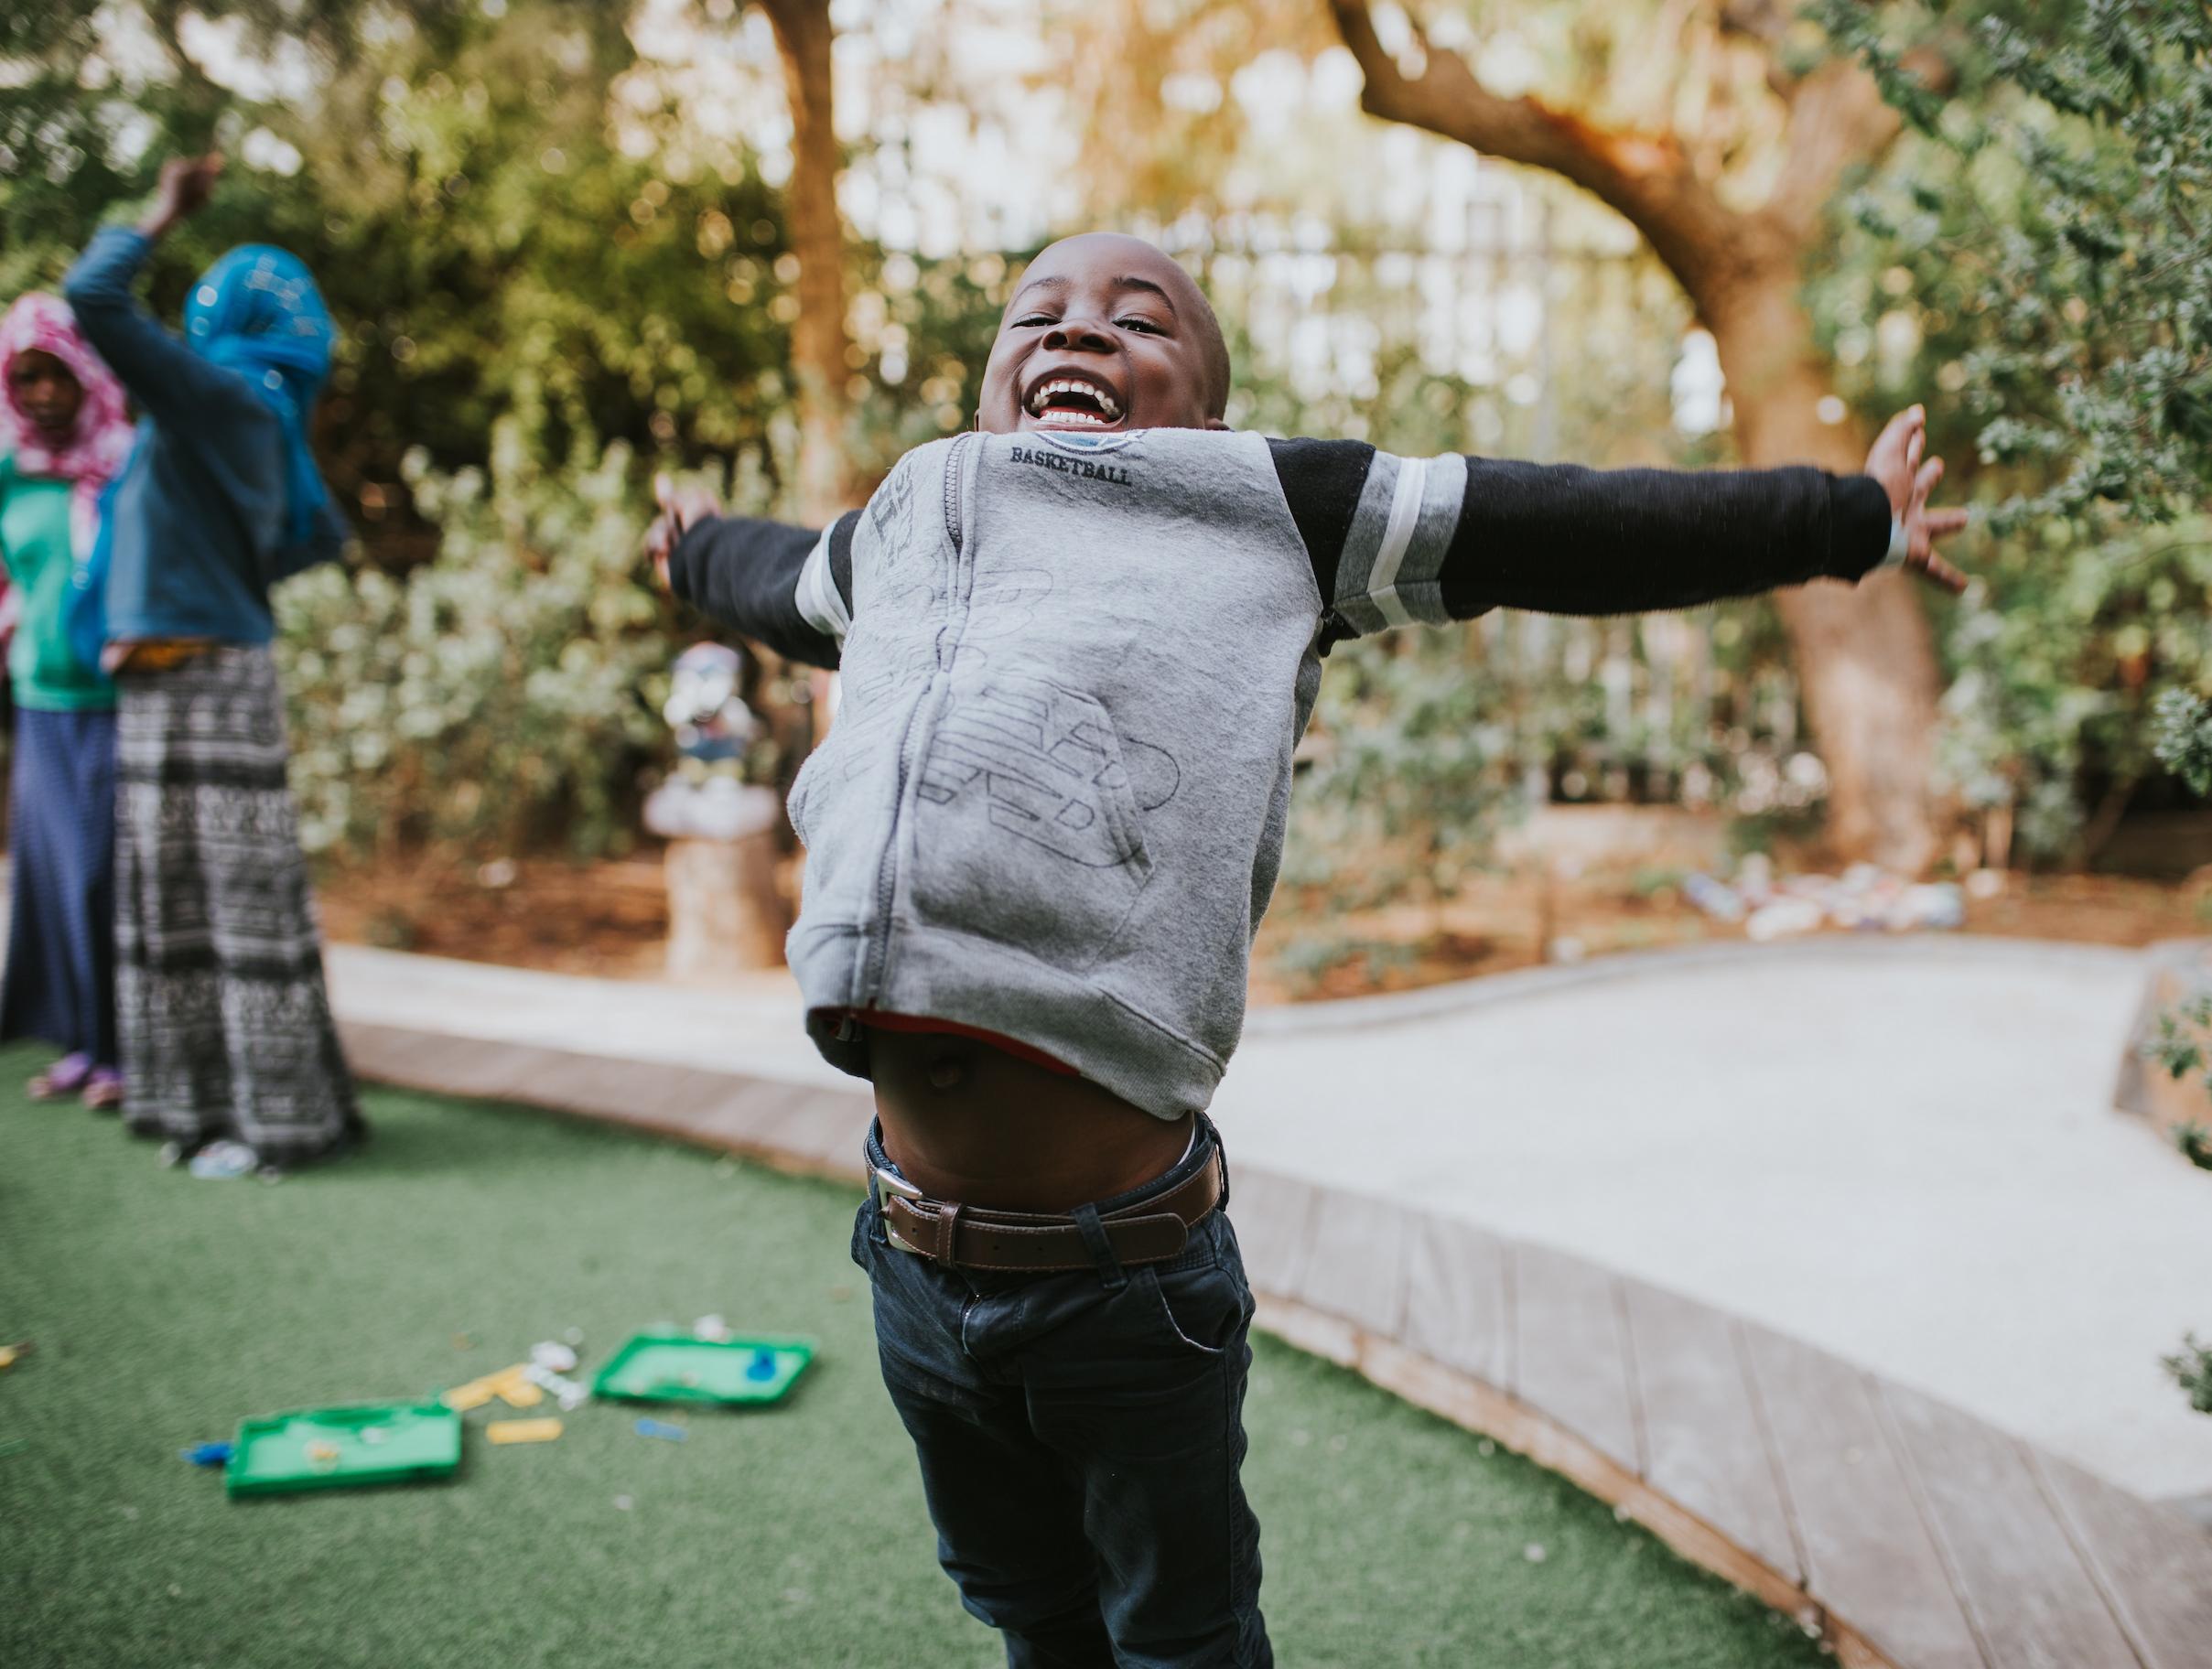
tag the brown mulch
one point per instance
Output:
(1502, 922)
(610, 920)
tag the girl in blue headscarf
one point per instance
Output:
(223, 1019)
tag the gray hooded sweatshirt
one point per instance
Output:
(1074, 669)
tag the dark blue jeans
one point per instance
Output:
(1080, 1437)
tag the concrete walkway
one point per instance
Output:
(1901, 1150)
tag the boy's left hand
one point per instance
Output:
(1895, 463)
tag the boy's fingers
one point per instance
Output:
(1924, 482)
(663, 489)
(1941, 573)
(1941, 521)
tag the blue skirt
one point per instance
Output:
(60, 980)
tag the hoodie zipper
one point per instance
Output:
(887, 866)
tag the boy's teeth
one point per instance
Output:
(1061, 385)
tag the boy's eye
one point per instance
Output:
(1136, 321)
(1033, 318)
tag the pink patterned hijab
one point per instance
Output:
(96, 451)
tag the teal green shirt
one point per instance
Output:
(35, 543)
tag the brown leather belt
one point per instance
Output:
(968, 1238)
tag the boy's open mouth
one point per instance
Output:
(1073, 401)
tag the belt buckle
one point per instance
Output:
(882, 1179)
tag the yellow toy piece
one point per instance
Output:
(511, 1385)
(522, 1431)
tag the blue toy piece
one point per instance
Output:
(662, 1429)
(209, 1455)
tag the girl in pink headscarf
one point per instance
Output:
(63, 437)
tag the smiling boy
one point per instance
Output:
(1078, 647)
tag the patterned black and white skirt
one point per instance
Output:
(225, 1024)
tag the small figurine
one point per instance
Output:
(713, 724)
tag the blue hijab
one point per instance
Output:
(257, 311)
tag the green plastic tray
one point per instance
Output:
(676, 1368)
(376, 1443)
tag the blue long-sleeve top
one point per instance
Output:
(198, 520)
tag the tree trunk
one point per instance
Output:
(1866, 657)
(818, 340)
(1866, 660)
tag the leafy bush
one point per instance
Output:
(1412, 770)
(2191, 1369)
(2059, 657)
(500, 697)
(2036, 253)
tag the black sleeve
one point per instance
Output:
(744, 572)
(1565, 539)
(1458, 536)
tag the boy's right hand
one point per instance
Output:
(681, 509)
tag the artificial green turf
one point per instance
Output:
(163, 1308)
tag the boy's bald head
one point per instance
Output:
(1104, 332)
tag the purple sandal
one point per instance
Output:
(104, 1090)
(64, 1078)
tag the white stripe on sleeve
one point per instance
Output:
(817, 598)
(1405, 516)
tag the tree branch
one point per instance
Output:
(1646, 177)
(1767, 23)
(1839, 120)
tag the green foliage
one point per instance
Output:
(2066, 219)
(2184, 739)
(2191, 1369)
(2041, 253)
(1412, 771)
(2194, 1141)
(2178, 1047)
(511, 218)
(489, 242)
(496, 698)
(522, 233)
(2059, 657)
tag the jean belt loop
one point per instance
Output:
(1100, 1247)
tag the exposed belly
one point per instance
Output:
(966, 1121)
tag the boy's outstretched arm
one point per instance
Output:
(1398, 540)
(788, 589)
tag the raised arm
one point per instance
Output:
(1396, 541)
(788, 589)
(172, 385)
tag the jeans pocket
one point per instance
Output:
(864, 1227)
(1204, 1307)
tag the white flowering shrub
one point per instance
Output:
(503, 696)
